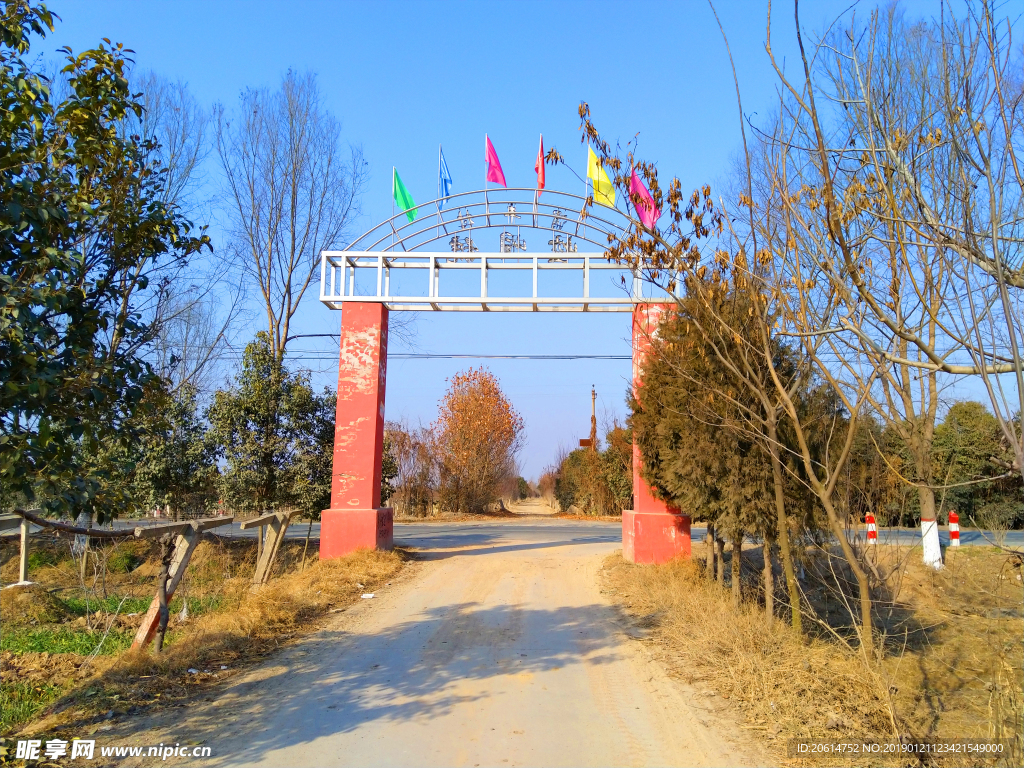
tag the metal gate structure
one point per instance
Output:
(493, 250)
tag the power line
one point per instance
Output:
(447, 356)
(312, 354)
(419, 355)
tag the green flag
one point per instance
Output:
(402, 197)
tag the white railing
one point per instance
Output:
(439, 281)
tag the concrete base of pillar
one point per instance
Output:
(343, 531)
(654, 537)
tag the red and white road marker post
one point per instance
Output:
(869, 520)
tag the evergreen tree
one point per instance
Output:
(82, 224)
(969, 447)
(174, 466)
(275, 434)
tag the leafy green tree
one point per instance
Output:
(576, 484)
(970, 458)
(174, 465)
(275, 434)
(82, 222)
(310, 477)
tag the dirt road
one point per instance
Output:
(496, 648)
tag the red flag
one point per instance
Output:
(643, 202)
(494, 172)
(539, 166)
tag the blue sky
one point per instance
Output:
(406, 76)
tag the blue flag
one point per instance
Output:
(444, 178)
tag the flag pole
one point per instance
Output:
(393, 173)
(437, 229)
(586, 187)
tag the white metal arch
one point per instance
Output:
(533, 252)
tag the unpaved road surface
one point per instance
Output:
(494, 648)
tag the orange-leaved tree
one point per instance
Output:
(478, 435)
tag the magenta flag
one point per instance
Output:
(494, 172)
(539, 166)
(643, 202)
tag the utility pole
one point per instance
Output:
(593, 418)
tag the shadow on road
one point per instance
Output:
(431, 553)
(421, 669)
(444, 547)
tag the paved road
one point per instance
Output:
(541, 527)
(412, 534)
(495, 648)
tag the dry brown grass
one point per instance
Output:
(239, 626)
(931, 682)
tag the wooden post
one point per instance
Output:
(23, 563)
(278, 524)
(187, 538)
(166, 554)
(9, 523)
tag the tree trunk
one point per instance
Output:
(782, 527)
(864, 587)
(931, 550)
(737, 562)
(709, 567)
(166, 551)
(720, 558)
(769, 582)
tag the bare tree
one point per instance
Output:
(787, 294)
(291, 188)
(910, 137)
(194, 307)
(416, 482)
(173, 116)
(195, 330)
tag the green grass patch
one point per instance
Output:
(22, 701)
(64, 640)
(109, 604)
(123, 562)
(79, 606)
(37, 558)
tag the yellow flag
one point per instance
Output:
(604, 191)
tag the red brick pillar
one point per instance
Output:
(355, 518)
(652, 532)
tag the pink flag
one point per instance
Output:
(539, 166)
(494, 172)
(643, 202)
